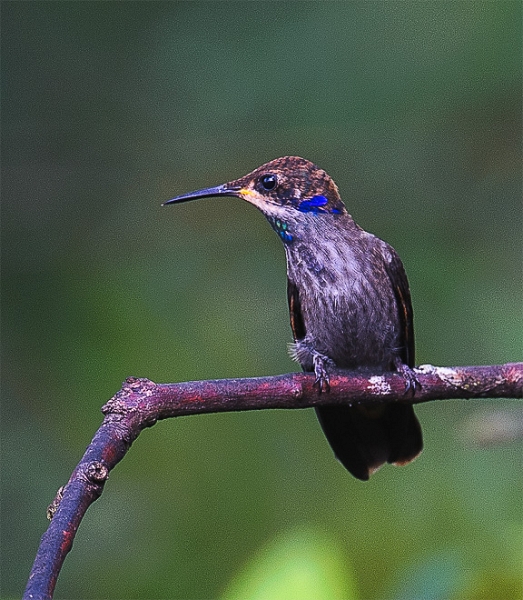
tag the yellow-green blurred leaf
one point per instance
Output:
(300, 564)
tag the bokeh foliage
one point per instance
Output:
(109, 108)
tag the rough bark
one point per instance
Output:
(140, 403)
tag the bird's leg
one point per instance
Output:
(322, 376)
(305, 353)
(411, 382)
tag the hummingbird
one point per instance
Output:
(349, 304)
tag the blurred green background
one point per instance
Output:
(110, 108)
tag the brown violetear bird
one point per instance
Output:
(349, 303)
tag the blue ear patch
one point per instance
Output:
(314, 205)
(318, 201)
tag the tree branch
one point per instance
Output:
(140, 403)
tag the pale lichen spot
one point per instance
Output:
(426, 368)
(447, 374)
(451, 376)
(379, 385)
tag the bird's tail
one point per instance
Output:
(363, 439)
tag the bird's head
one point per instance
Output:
(284, 190)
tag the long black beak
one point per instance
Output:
(219, 190)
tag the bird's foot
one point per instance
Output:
(411, 381)
(322, 376)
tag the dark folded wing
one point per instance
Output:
(297, 324)
(400, 285)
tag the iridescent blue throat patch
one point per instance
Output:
(282, 229)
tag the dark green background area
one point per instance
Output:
(110, 108)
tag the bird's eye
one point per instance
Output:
(268, 182)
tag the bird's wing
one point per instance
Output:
(400, 285)
(297, 324)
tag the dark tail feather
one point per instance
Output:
(363, 439)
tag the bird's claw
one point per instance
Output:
(321, 382)
(411, 381)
